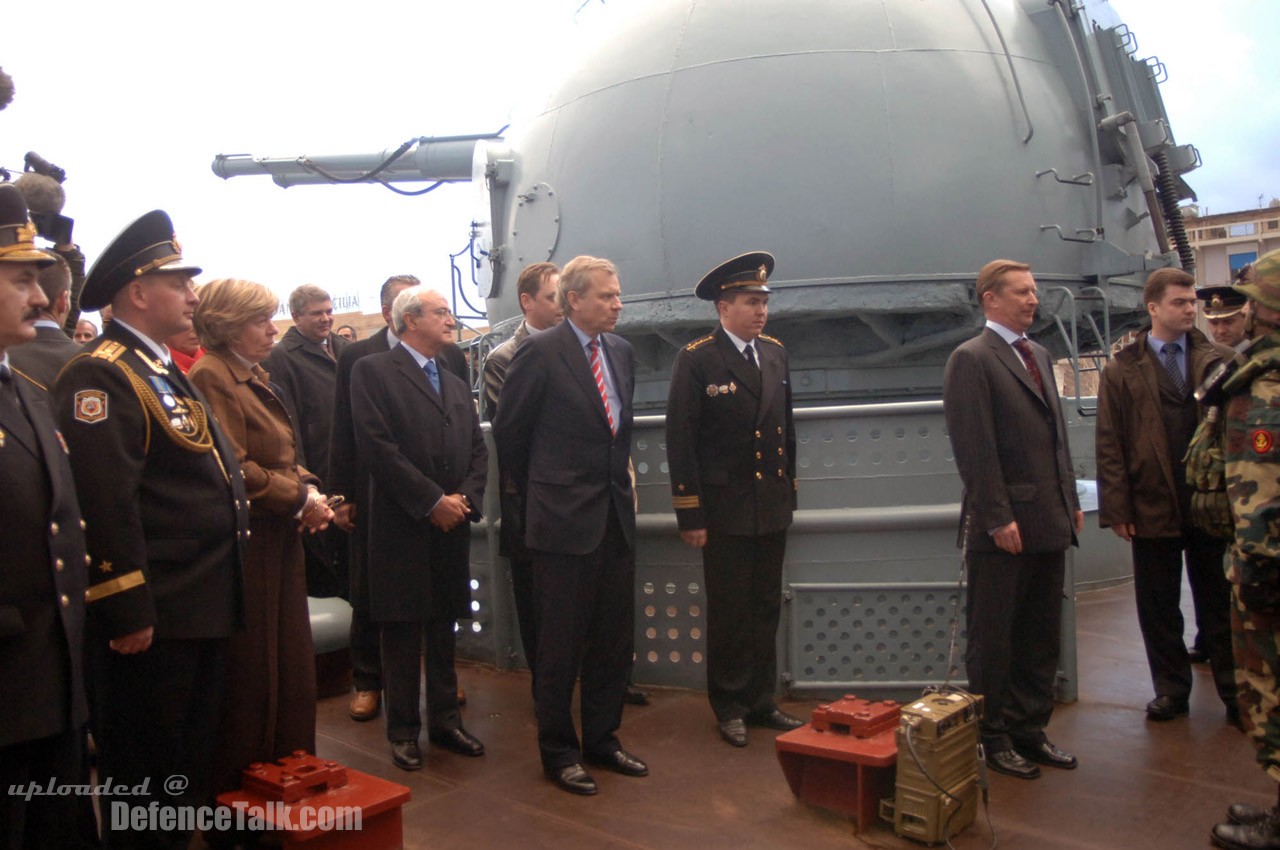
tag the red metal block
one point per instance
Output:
(321, 805)
(839, 771)
(859, 717)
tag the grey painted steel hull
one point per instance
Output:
(870, 587)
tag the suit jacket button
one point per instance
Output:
(83, 526)
(59, 564)
(65, 600)
(54, 528)
(758, 455)
(88, 560)
(247, 534)
(779, 473)
(759, 476)
(779, 449)
(757, 435)
(779, 429)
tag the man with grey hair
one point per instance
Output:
(348, 479)
(303, 365)
(418, 436)
(563, 432)
(43, 357)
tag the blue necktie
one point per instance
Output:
(433, 375)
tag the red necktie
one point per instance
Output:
(1028, 359)
(597, 372)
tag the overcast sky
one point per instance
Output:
(134, 98)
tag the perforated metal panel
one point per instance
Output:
(872, 635)
(671, 627)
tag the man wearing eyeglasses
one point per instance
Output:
(418, 435)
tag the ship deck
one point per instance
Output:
(1139, 784)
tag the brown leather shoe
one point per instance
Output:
(364, 705)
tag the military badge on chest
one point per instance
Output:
(175, 406)
(714, 390)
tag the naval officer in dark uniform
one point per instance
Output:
(43, 565)
(731, 446)
(167, 519)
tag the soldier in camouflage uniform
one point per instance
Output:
(1252, 453)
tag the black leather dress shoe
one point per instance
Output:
(1263, 835)
(734, 731)
(1010, 763)
(1243, 813)
(1046, 753)
(776, 719)
(1233, 717)
(1197, 656)
(573, 779)
(1166, 708)
(457, 740)
(620, 761)
(406, 755)
(635, 696)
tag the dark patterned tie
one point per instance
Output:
(1029, 360)
(1169, 356)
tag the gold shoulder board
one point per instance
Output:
(773, 340)
(698, 343)
(109, 350)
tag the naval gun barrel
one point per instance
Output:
(445, 159)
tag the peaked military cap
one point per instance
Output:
(1262, 280)
(744, 273)
(146, 246)
(17, 233)
(1220, 302)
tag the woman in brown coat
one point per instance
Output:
(269, 709)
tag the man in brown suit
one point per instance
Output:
(1146, 417)
(1019, 514)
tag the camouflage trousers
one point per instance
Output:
(1255, 640)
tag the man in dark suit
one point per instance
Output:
(419, 437)
(563, 433)
(42, 358)
(43, 564)
(303, 366)
(1147, 414)
(167, 518)
(350, 480)
(1018, 516)
(731, 445)
(536, 289)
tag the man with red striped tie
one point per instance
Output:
(563, 433)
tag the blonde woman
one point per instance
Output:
(269, 707)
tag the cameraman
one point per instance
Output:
(41, 186)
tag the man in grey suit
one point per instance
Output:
(1019, 514)
(563, 433)
(43, 358)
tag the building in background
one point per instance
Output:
(1226, 242)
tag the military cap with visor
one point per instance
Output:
(148, 246)
(744, 273)
(1262, 281)
(1220, 302)
(17, 233)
